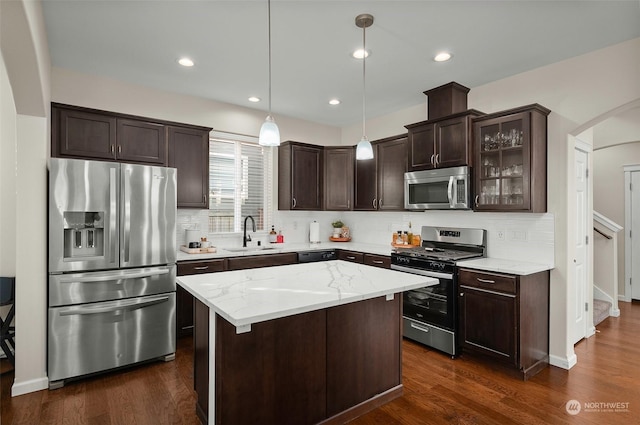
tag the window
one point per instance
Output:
(240, 182)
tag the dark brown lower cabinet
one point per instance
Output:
(506, 317)
(184, 300)
(274, 374)
(257, 261)
(325, 366)
(363, 352)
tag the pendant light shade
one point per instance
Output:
(364, 150)
(269, 132)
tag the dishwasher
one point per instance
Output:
(317, 255)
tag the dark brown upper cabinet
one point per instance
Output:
(189, 154)
(141, 141)
(338, 178)
(84, 133)
(90, 134)
(300, 176)
(445, 142)
(511, 160)
(379, 182)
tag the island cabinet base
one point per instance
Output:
(326, 366)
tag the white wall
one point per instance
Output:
(7, 178)
(26, 68)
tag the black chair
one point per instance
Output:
(8, 332)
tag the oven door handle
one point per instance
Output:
(427, 273)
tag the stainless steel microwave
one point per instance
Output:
(439, 189)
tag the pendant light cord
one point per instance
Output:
(364, 61)
(269, 28)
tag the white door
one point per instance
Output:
(634, 255)
(580, 322)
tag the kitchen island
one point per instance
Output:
(300, 344)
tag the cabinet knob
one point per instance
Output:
(437, 159)
(462, 294)
(375, 203)
(431, 160)
(293, 202)
(476, 200)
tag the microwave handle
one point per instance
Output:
(450, 192)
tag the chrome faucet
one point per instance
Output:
(247, 238)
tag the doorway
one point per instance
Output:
(632, 222)
(582, 297)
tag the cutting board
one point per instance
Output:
(188, 250)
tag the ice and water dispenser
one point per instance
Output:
(83, 234)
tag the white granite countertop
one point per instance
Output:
(516, 267)
(489, 264)
(287, 247)
(249, 296)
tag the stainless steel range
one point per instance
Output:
(430, 313)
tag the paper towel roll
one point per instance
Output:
(314, 232)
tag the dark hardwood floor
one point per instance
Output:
(437, 390)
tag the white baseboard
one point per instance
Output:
(624, 298)
(563, 362)
(591, 331)
(33, 385)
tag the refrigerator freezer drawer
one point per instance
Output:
(80, 288)
(96, 337)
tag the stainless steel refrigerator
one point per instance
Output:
(112, 254)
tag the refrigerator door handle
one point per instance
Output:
(119, 276)
(114, 307)
(113, 214)
(126, 199)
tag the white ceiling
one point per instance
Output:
(140, 41)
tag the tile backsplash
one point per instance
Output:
(513, 236)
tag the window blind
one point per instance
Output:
(240, 184)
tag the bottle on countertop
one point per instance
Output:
(399, 237)
(410, 235)
(405, 238)
(280, 237)
(273, 237)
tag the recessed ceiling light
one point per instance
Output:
(185, 62)
(334, 102)
(254, 99)
(442, 57)
(359, 54)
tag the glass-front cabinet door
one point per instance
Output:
(506, 161)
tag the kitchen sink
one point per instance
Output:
(249, 249)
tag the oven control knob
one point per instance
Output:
(436, 266)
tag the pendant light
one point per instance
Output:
(269, 132)
(364, 150)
